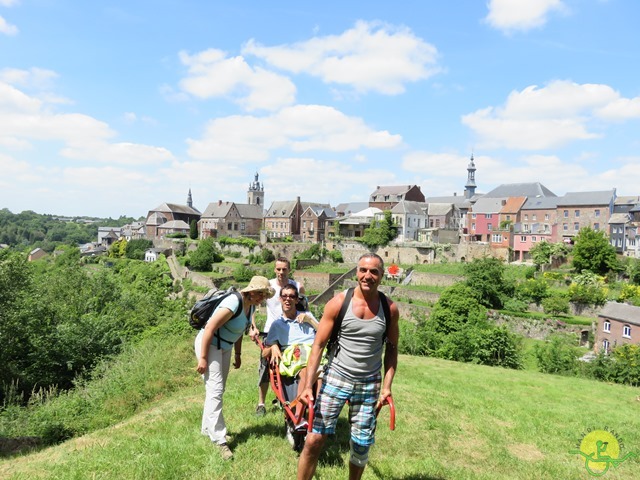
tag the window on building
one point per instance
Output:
(565, 226)
(597, 212)
(534, 217)
(488, 215)
(437, 223)
(566, 214)
(546, 217)
(596, 226)
(526, 216)
(242, 226)
(508, 217)
(525, 227)
(576, 226)
(489, 226)
(534, 239)
(605, 346)
(577, 213)
(304, 224)
(473, 215)
(626, 331)
(606, 326)
(229, 226)
(523, 239)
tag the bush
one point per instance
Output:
(587, 294)
(242, 273)
(556, 305)
(265, 256)
(533, 290)
(202, 259)
(558, 355)
(336, 256)
(515, 305)
(413, 338)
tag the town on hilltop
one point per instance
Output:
(504, 223)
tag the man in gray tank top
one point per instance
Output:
(353, 372)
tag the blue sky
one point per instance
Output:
(113, 107)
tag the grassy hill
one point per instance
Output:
(454, 421)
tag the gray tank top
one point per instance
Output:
(360, 345)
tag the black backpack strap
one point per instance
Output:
(337, 323)
(387, 314)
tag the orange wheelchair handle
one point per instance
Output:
(392, 411)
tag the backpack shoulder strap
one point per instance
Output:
(337, 324)
(387, 314)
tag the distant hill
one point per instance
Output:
(29, 229)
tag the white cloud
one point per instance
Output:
(299, 128)
(523, 15)
(7, 28)
(212, 74)
(320, 183)
(25, 120)
(620, 109)
(9, 3)
(549, 117)
(123, 153)
(39, 78)
(369, 57)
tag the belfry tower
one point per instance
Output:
(470, 187)
(255, 194)
(189, 199)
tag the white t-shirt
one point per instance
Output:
(274, 306)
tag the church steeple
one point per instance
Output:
(189, 199)
(255, 194)
(470, 187)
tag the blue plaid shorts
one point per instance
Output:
(362, 396)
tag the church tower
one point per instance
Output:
(189, 200)
(470, 187)
(255, 194)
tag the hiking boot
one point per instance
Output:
(261, 411)
(225, 451)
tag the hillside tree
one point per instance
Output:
(593, 252)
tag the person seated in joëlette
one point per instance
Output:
(290, 337)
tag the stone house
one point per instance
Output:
(36, 254)
(537, 223)
(385, 198)
(409, 217)
(284, 218)
(168, 212)
(229, 219)
(314, 223)
(618, 323)
(577, 210)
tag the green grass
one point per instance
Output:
(445, 268)
(454, 421)
(327, 268)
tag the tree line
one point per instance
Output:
(31, 230)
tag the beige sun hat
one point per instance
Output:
(258, 284)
